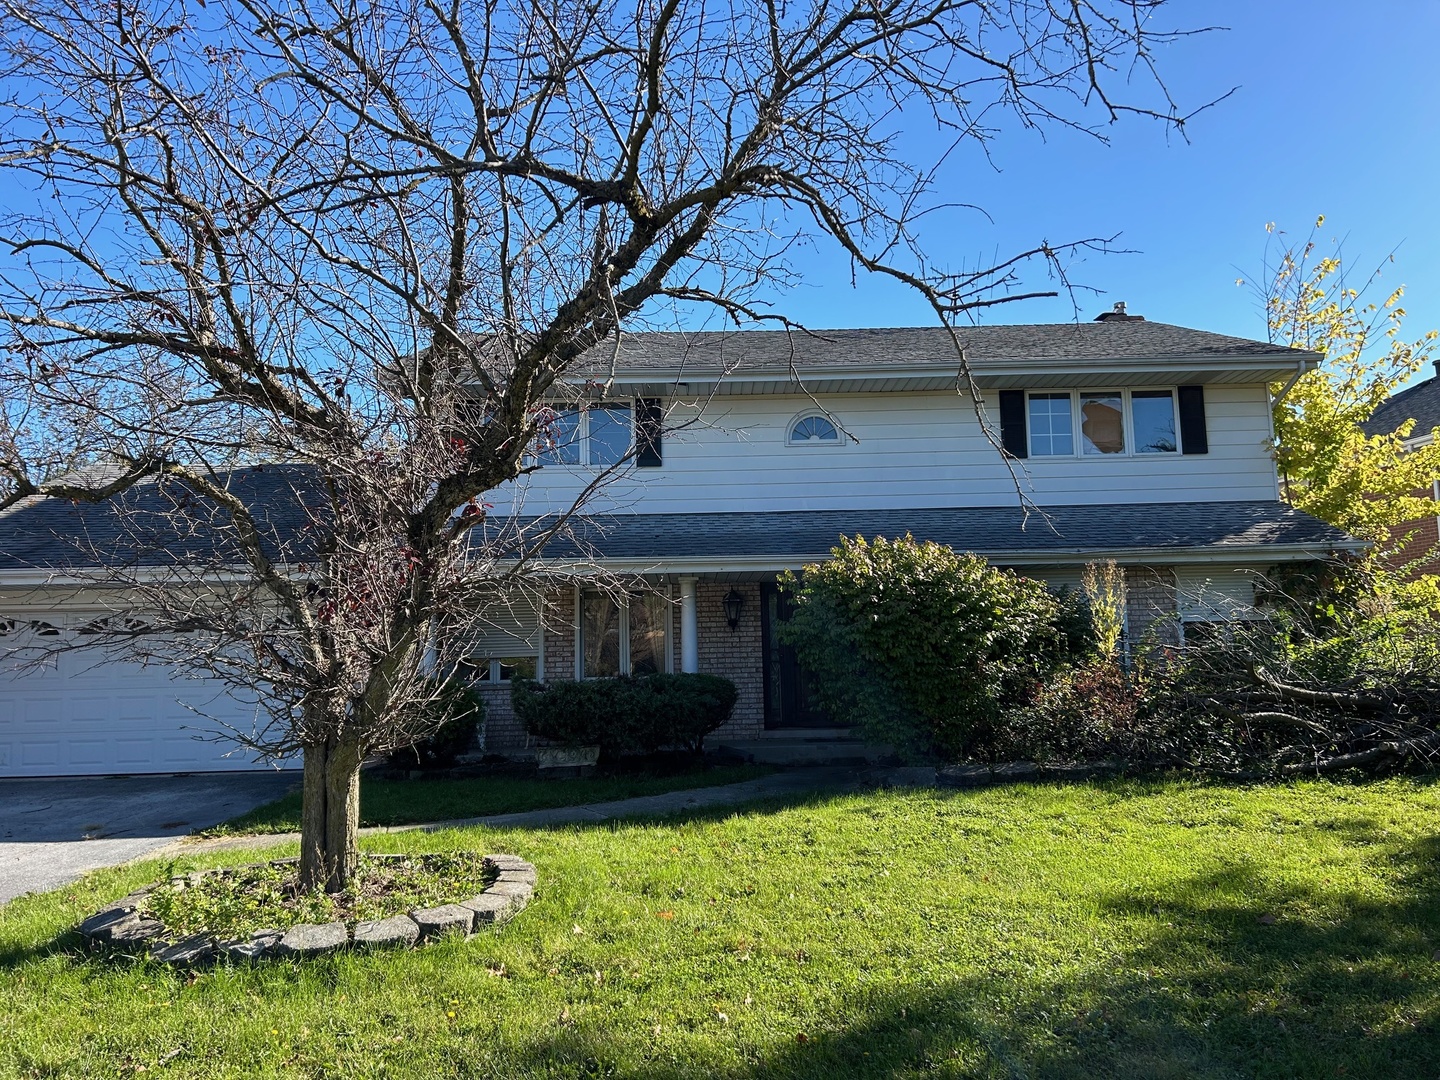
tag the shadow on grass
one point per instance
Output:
(1215, 991)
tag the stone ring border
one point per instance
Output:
(123, 926)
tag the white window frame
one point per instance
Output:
(820, 414)
(668, 648)
(494, 664)
(583, 438)
(1127, 418)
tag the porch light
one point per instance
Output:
(734, 604)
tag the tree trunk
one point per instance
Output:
(329, 814)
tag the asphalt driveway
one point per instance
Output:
(52, 831)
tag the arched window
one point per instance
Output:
(813, 429)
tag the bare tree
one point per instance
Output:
(375, 240)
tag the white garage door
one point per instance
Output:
(81, 715)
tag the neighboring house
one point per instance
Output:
(1132, 440)
(1420, 551)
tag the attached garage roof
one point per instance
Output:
(138, 527)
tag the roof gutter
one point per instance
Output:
(753, 564)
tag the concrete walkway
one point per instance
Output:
(776, 785)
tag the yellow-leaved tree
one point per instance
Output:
(1329, 467)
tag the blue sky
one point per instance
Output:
(1335, 113)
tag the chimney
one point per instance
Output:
(1118, 315)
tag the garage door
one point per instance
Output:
(83, 715)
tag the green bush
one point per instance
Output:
(1082, 713)
(628, 714)
(923, 647)
(452, 717)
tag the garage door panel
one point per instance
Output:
(86, 715)
(89, 752)
(35, 754)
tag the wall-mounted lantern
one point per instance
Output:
(734, 604)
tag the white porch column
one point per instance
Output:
(689, 627)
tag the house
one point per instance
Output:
(1420, 550)
(753, 452)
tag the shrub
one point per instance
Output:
(923, 647)
(452, 716)
(627, 714)
(1093, 710)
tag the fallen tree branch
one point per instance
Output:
(1394, 749)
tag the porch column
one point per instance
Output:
(689, 627)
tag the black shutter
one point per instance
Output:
(1193, 439)
(1012, 423)
(649, 427)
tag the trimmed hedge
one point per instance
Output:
(628, 714)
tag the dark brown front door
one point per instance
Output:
(790, 698)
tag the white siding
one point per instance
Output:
(909, 450)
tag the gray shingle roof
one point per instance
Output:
(139, 528)
(52, 534)
(804, 535)
(1420, 403)
(776, 350)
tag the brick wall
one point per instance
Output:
(1151, 605)
(1420, 554)
(504, 733)
(735, 654)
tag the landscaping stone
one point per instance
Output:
(123, 925)
(521, 889)
(132, 932)
(188, 950)
(100, 924)
(446, 919)
(380, 933)
(258, 945)
(493, 908)
(508, 862)
(310, 939)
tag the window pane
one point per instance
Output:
(1102, 422)
(599, 635)
(648, 613)
(559, 442)
(814, 429)
(473, 669)
(1052, 429)
(609, 433)
(1153, 414)
(511, 666)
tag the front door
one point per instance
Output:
(790, 698)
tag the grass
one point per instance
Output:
(412, 802)
(1118, 929)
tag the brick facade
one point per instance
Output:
(1151, 607)
(503, 732)
(735, 654)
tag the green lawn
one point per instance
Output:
(411, 802)
(1118, 929)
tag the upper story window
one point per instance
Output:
(813, 429)
(594, 435)
(1099, 423)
